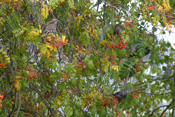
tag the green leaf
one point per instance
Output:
(74, 82)
(90, 65)
(70, 68)
(121, 53)
(71, 3)
(68, 110)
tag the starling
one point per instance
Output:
(136, 47)
(121, 95)
(50, 27)
(118, 29)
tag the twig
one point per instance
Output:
(19, 104)
(44, 101)
(157, 109)
(14, 106)
(6, 38)
(173, 113)
(165, 110)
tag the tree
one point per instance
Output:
(79, 67)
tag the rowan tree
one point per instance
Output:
(78, 65)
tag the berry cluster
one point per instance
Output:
(82, 64)
(115, 103)
(129, 24)
(104, 103)
(1, 96)
(65, 78)
(32, 76)
(112, 45)
(150, 8)
(135, 95)
(2, 64)
(61, 43)
(169, 23)
(114, 63)
(138, 68)
(121, 45)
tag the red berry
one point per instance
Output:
(114, 62)
(1, 96)
(112, 45)
(65, 79)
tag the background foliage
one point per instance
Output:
(78, 77)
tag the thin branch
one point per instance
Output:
(44, 100)
(136, 90)
(173, 112)
(99, 2)
(14, 106)
(17, 114)
(6, 38)
(157, 109)
(165, 109)
(37, 113)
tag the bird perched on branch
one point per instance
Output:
(121, 95)
(50, 27)
(118, 29)
(139, 46)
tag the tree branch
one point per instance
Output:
(157, 109)
(165, 109)
(17, 114)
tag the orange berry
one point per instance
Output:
(112, 45)
(129, 23)
(65, 79)
(169, 22)
(114, 62)
(1, 96)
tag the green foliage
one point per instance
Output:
(75, 71)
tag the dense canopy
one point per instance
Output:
(86, 58)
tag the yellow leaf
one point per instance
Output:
(44, 50)
(17, 77)
(7, 1)
(103, 43)
(34, 34)
(63, 37)
(109, 36)
(45, 12)
(115, 68)
(62, 1)
(166, 5)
